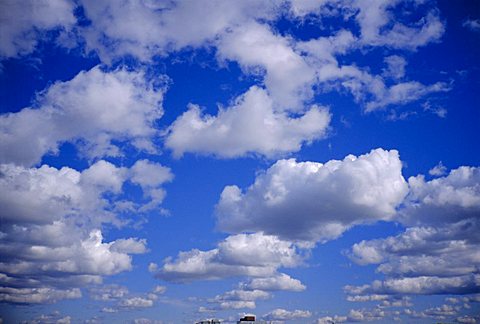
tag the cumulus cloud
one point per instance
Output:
(251, 125)
(421, 285)
(236, 299)
(51, 238)
(280, 281)
(290, 68)
(115, 32)
(443, 200)
(438, 170)
(252, 255)
(287, 76)
(23, 23)
(280, 314)
(36, 295)
(108, 292)
(312, 201)
(356, 315)
(92, 110)
(438, 252)
(53, 318)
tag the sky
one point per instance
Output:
(306, 161)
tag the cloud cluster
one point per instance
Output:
(251, 125)
(119, 298)
(92, 110)
(439, 251)
(252, 255)
(51, 237)
(311, 201)
(24, 23)
(290, 70)
(280, 314)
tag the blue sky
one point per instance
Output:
(307, 161)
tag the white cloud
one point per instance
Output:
(374, 16)
(36, 295)
(280, 314)
(136, 302)
(46, 194)
(288, 78)
(115, 30)
(236, 299)
(316, 202)
(395, 67)
(108, 292)
(53, 318)
(403, 93)
(356, 315)
(159, 290)
(150, 176)
(439, 252)
(76, 111)
(23, 23)
(438, 170)
(421, 285)
(280, 281)
(472, 24)
(255, 255)
(51, 239)
(444, 200)
(251, 125)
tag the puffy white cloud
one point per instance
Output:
(51, 238)
(280, 314)
(136, 302)
(439, 253)
(287, 76)
(23, 23)
(108, 292)
(36, 295)
(468, 319)
(46, 194)
(115, 30)
(421, 285)
(443, 200)
(255, 255)
(150, 176)
(236, 299)
(280, 281)
(251, 125)
(356, 315)
(438, 170)
(316, 202)
(330, 319)
(53, 318)
(91, 111)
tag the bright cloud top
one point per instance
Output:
(311, 201)
(91, 110)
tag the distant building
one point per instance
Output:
(249, 319)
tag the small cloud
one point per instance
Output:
(438, 170)
(473, 25)
(436, 110)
